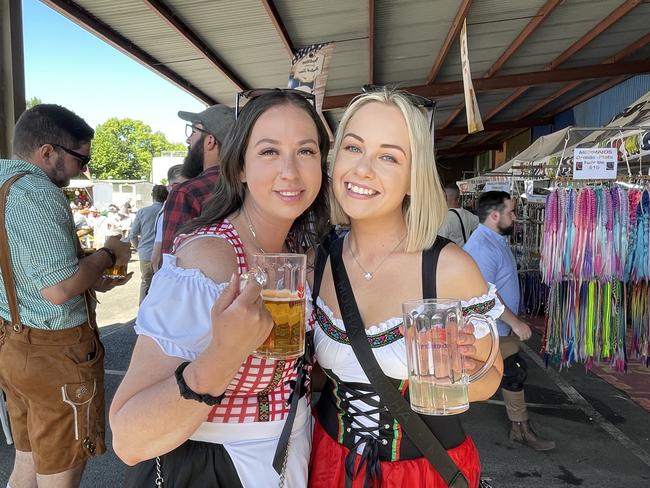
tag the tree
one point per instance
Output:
(32, 102)
(124, 148)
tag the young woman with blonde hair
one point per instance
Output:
(385, 185)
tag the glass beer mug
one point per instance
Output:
(438, 382)
(282, 277)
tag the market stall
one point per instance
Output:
(582, 237)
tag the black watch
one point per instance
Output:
(111, 255)
(189, 394)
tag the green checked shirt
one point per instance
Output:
(42, 237)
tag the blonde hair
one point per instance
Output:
(426, 208)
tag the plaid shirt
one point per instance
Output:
(185, 203)
(260, 390)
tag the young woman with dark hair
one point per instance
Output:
(194, 408)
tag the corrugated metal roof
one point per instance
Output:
(492, 25)
(408, 36)
(602, 108)
(566, 24)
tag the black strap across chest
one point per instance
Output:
(417, 430)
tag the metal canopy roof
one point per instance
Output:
(531, 59)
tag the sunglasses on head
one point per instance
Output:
(83, 159)
(416, 100)
(258, 92)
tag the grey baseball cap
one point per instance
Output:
(217, 120)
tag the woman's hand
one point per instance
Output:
(466, 349)
(240, 323)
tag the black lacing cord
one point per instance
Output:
(368, 435)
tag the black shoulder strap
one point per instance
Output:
(410, 421)
(322, 251)
(429, 265)
(462, 227)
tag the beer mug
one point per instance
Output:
(115, 272)
(282, 277)
(438, 382)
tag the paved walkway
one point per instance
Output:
(603, 436)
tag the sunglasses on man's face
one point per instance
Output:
(258, 92)
(417, 101)
(191, 129)
(82, 158)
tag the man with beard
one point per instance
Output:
(488, 245)
(51, 358)
(205, 132)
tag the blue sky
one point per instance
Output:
(67, 65)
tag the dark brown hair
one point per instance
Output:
(308, 228)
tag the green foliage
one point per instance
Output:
(124, 148)
(32, 102)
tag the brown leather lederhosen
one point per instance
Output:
(53, 379)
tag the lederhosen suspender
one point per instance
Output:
(5, 256)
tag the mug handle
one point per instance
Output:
(495, 345)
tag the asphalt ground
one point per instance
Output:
(603, 437)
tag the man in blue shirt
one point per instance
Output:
(143, 234)
(488, 245)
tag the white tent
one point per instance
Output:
(80, 183)
(629, 132)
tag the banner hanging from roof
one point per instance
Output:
(474, 122)
(309, 70)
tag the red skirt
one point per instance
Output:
(327, 466)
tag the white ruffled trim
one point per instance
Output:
(480, 328)
(176, 311)
(372, 330)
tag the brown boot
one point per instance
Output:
(523, 432)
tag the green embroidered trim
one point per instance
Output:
(480, 308)
(264, 408)
(375, 340)
(394, 455)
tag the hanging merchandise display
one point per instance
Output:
(595, 260)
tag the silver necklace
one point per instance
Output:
(251, 229)
(368, 275)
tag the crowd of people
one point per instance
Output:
(195, 407)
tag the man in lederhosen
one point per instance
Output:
(51, 359)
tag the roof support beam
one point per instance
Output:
(635, 46)
(590, 94)
(193, 40)
(279, 26)
(526, 32)
(371, 41)
(454, 30)
(470, 149)
(519, 80)
(614, 16)
(496, 127)
(83, 18)
(12, 73)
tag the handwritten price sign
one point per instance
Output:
(594, 163)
